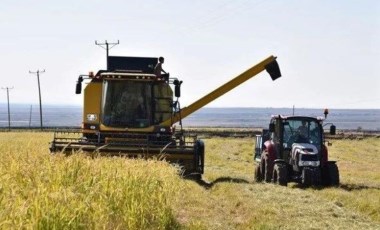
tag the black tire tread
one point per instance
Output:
(280, 174)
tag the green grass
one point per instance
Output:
(43, 191)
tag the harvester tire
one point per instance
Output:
(280, 174)
(258, 175)
(199, 157)
(52, 148)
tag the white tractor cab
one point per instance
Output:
(294, 149)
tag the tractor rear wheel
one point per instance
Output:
(280, 174)
(258, 175)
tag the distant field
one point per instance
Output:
(39, 190)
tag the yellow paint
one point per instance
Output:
(248, 74)
(92, 101)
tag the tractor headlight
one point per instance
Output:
(92, 117)
(309, 163)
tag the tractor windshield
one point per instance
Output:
(302, 131)
(126, 104)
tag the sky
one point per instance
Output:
(328, 51)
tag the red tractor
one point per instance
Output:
(294, 149)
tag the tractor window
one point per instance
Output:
(301, 131)
(126, 104)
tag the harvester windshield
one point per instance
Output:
(126, 104)
(302, 131)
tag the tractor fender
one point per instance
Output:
(270, 150)
(324, 155)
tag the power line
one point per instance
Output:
(39, 91)
(9, 113)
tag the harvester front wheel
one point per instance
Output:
(199, 158)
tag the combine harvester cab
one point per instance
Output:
(129, 111)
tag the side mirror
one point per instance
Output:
(78, 88)
(271, 127)
(332, 130)
(177, 91)
(177, 88)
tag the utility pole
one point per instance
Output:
(107, 48)
(9, 113)
(30, 115)
(39, 91)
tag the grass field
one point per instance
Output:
(44, 191)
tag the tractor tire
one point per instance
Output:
(262, 167)
(330, 175)
(280, 174)
(316, 178)
(268, 170)
(258, 175)
(307, 177)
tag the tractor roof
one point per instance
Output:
(297, 117)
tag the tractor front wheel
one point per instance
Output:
(258, 175)
(310, 176)
(280, 174)
(268, 169)
(307, 176)
(330, 175)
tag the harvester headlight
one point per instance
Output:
(162, 130)
(92, 117)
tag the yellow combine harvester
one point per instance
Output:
(129, 111)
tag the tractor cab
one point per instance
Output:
(294, 146)
(290, 132)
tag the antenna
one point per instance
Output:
(9, 113)
(107, 48)
(39, 91)
(293, 109)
